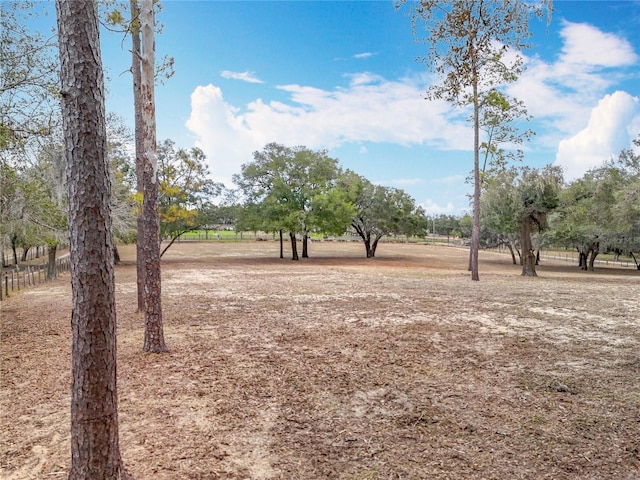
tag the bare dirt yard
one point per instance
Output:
(340, 367)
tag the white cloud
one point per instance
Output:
(221, 132)
(586, 45)
(612, 125)
(562, 93)
(432, 208)
(244, 76)
(364, 55)
(369, 109)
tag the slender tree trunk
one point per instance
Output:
(25, 252)
(14, 247)
(153, 331)
(305, 246)
(137, 107)
(475, 231)
(513, 255)
(528, 255)
(51, 261)
(95, 451)
(281, 245)
(294, 246)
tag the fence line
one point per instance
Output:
(14, 280)
(571, 257)
(574, 258)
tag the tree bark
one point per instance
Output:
(281, 245)
(137, 107)
(305, 246)
(51, 261)
(528, 255)
(95, 451)
(153, 331)
(294, 246)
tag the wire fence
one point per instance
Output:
(571, 256)
(15, 279)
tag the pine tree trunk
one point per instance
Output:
(95, 451)
(137, 107)
(153, 331)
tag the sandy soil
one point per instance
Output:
(339, 367)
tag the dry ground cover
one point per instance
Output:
(339, 367)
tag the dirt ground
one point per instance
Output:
(340, 367)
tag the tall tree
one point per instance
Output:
(153, 331)
(468, 42)
(139, 147)
(117, 21)
(95, 451)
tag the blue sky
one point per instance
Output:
(341, 75)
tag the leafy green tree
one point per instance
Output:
(383, 211)
(185, 191)
(468, 41)
(293, 189)
(515, 205)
